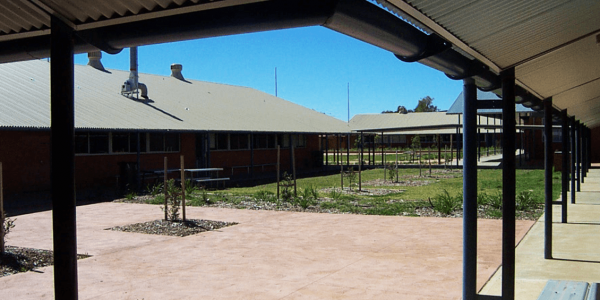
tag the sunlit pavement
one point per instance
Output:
(269, 255)
(576, 246)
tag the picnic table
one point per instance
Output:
(205, 174)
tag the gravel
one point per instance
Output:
(16, 259)
(173, 228)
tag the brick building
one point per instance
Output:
(212, 125)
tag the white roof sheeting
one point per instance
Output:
(416, 123)
(173, 104)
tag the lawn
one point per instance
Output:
(413, 194)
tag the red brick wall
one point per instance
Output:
(25, 157)
(26, 161)
(305, 158)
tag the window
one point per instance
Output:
(556, 135)
(283, 140)
(133, 142)
(299, 140)
(81, 143)
(164, 142)
(264, 141)
(120, 142)
(219, 141)
(91, 143)
(98, 142)
(238, 141)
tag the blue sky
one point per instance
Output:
(314, 66)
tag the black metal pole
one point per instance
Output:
(348, 151)
(63, 160)
(508, 184)
(583, 141)
(326, 150)
(573, 159)
(578, 163)
(548, 161)
(252, 154)
(138, 162)
(469, 190)
(362, 149)
(565, 164)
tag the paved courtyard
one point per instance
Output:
(268, 255)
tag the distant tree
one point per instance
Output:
(402, 110)
(426, 105)
(387, 112)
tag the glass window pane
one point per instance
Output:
(172, 142)
(133, 142)
(99, 142)
(120, 142)
(81, 143)
(157, 142)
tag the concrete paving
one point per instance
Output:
(576, 246)
(269, 255)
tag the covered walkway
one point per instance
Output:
(575, 247)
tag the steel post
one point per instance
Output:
(573, 159)
(508, 184)
(578, 162)
(565, 164)
(548, 164)
(469, 190)
(62, 171)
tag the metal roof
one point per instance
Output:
(173, 104)
(415, 123)
(553, 45)
(458, 106)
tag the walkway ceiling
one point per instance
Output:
(553, 45)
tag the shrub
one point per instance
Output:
(335, 194)
(445, 203)
(173, 195)
(130, 195)
(190, 187)
(392, 171)
(155, 190)
(265, 196)
(525, 200)
(287, 192)
(495, 201)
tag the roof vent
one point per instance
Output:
(176, 71)
(132, 85)
(94, 60)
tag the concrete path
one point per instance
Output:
(269, 255)
(576, 246)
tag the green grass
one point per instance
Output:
(445, 189)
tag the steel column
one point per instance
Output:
(469, 190)
(252, 154)
(565, 164)
(63, 160)
(508, 184)
(326, 150)
(548, 161)
(578, 161)
(573, 159)
(582, 169)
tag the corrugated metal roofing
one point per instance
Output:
(413, 123)
(173, 104)
(458, 106)
(552, 44)
(32, 15)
